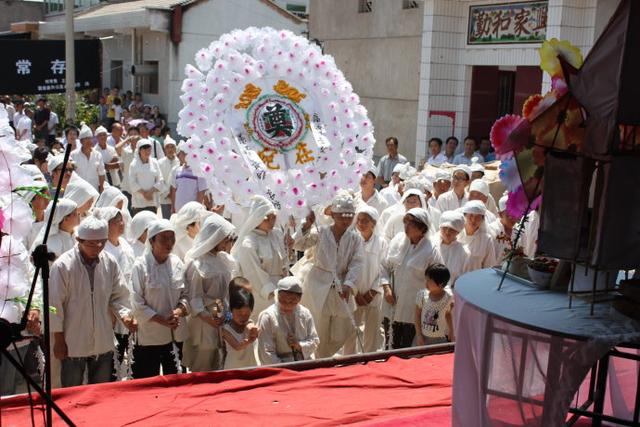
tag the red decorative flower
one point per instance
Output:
(509, 133)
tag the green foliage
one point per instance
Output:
(85, 111)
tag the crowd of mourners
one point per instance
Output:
(151, 276)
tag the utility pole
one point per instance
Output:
(70, 61)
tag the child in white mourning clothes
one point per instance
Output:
(433, 307)
(454, 254)
(240, 333)
(287, 330)
(368, 286)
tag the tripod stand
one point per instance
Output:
(10, 333)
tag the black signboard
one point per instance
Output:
(38, 66)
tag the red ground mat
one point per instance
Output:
(375, 393)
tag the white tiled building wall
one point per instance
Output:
(447, 60)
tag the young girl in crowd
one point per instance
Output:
(240, 333)
(432, 324)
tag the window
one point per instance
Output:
(150, 79)
(411, 4)
(506, 90)
(116, 73)
(299, 10)
(365, 6)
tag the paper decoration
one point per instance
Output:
(265, 112)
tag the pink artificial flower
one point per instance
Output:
(510, 133)
(1, 219)
(517, 203)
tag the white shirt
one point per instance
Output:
(236, 359)
(145, 176)
(166, 166)
(24, 124)
(375, 249)
(89, 168)
(123, 254)
(112, 142)
(455, 256)
(53, 121)
(127, 159)
(439, 159)
(449, 201)
(408, 263)
(333, 261)
(16, 118)
(376, 201)
(108, 153)
(433, 322)
(158, 289)
(261, 258)
(461, 159)
(391, 195)
(482, 253)
(83, 312)
(275, 327)
(187, 185)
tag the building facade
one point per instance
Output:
(436, 68)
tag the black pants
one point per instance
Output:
(147, 360)
(123, 341)
(403, 333)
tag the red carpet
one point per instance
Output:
(411, 392)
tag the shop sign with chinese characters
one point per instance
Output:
(506, 23)
(39, 66)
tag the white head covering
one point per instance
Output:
(169, 141)
(443, 175)
(85, 132)
(80, 191)
(188, 214)
(140, 223)
(38, 181)
(397, 168)
(92, 228)
(158, 226)
(259, 208)
(476, 167)
(452, 219)
(369, 210)
(106, 214)
(463, 168)
(182, 147)
(290, 284)
(63, 208)
(407, 172)
(55, 161)
(414, 192)
(101, 129)
(420, 214)
(474, 207)
(480, 186)
(110, 197)
(144, 142)
(213, 231)
(343, 203)
(502, 203)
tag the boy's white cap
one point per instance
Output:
(290, 284)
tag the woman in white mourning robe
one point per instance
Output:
(208, 273)
(476, 237)
(113, 196)
(138, 231)
(413, 198)
(260, 252)
(454, 254)
(65, 220)
(187, 223)
(368, 287)
(409, 255)
(81, 192)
